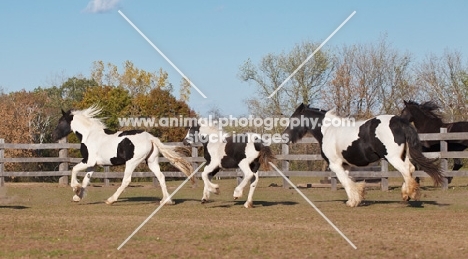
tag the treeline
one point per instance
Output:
(361, 80)
(31, 116)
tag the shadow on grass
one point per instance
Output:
(412, 204)
(229, 204)
(13, 207)
(139, 200)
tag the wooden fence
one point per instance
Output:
(283, 158)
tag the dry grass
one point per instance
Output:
(39, 221)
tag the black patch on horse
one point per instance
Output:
(125, 152)
(79, 136)
(367, 148)
(235, 152)
(397, 127)
(84, 152)
(130, 132)
(109, 132)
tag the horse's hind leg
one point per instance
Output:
(129, 167)
(153, 165)
(248, 174)
(253, 185)
(410, 188)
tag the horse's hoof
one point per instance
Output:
(76, 198)
(216, 191)
(248, 205)
(167, 202)
(235, 198)
(109, 202)
(352, 204)
(203, 201)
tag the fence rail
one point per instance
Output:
(283, 158)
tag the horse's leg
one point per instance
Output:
(355, 191)
(248, 174)
(410, 188)
(129, 167)
(86, 181)
(74, 181)
(153, 165)
(208, 186)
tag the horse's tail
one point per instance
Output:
(414, 147)
(175, 158)
(265, 157)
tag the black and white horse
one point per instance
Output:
(100, 146)
(345, 142)
(222, 151)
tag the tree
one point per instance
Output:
(185, 90)
(273, 70)
(114, 101)
(369, 79)
(445, 80)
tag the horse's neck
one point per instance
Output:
(315, 127)
(426, 124)
(85, 130)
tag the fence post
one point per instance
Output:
(106, 171)
(63, 153)
(2, 166)
(384, 180)
(444, 161)
(285, 164)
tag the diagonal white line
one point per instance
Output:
(160, 206)
(311, 55)
(162, 54)
(313, 205)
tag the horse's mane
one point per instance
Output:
(429, 108)
(88, 116)
(308, 107)
(210, 128)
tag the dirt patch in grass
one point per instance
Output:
(39, 220)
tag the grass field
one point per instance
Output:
(40, 221)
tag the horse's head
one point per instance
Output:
(407, 112)
(64, 126)
(302, 120)
(192, 134)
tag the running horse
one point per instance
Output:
(345, 143)
(223, 151)
(101, 146)
(426, 119)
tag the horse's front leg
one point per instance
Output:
(354, 191)
(82, 191)
(208, 186)
(77, 189)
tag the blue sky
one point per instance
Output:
(207, 40)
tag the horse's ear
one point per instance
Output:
(301, 107)
(63, 112)
(405, 102)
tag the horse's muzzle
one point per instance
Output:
(187, 142)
